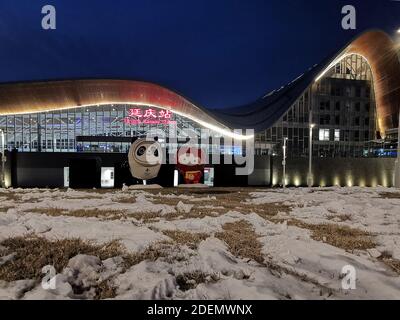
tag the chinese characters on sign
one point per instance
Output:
(148, 116)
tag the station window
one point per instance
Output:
(337, 134)
(323, 134)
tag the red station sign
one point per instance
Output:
(149, 116)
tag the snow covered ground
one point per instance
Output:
(187, 243)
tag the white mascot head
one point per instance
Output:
(145, 158)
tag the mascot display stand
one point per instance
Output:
(190, 164)
(145, 158)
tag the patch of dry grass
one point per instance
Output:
(190, 280)
(342, 237)
(6, 208)
(231, 204)
(271, 209)
(195, 213)
(78, 197)
(105, 290)
(231, 198)
(32, 253)
(81, 213)
(112, 214)
(242, 240)
(192, 240)
(144, 217)
(162, 249)
(390, 195)
(201, 192)
(339, 236)
(394, 264)
(226, 199)
(171, 201)
(125, 200)
(18, 197)
(98, 191)
(340, 217)
(10, 196)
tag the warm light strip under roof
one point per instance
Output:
(224, 131)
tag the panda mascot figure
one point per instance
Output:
(145, 159)
(190, 164)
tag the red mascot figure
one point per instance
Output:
(190, 164)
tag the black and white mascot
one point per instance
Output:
(145, 159)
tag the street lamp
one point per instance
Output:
(3, 159)
(309, 176)
(284, 162)
(397, 165)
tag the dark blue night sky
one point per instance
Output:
(217, 53)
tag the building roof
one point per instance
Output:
(264, 112)
(374, 46)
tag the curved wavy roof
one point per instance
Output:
(375, 46)
(32, 97)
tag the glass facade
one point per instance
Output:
(341, 105)
(105, 128)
